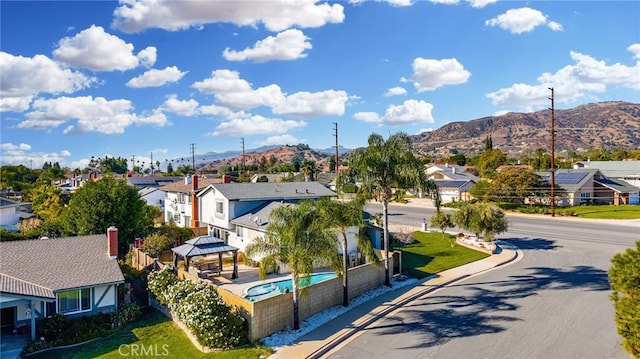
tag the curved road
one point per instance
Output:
(552, 303)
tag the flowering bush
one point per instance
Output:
(200, 308)
(211, 321)
(160, 281)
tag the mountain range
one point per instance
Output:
(607, 125)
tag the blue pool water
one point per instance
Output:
(261, 291)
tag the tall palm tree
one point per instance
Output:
(295, 236)
(341, 217)
(383, 166)
(309, 170)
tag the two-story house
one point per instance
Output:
(221, 203)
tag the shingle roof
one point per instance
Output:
(618, 186)
(180, 186)
(56, 264)
(274, 191)
(258, 218)
(570, 180)
(450, 184)
(149, 181)
(617, 169)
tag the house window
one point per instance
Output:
(50, 308)
(585, 195)
(176, 217)
(219, 208)
(74, 301)
(239, 231)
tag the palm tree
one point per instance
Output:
(341, 217)
(382, 166)
(309, 170)
(295, 236)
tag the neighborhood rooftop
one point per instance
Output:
(268, 190)
(40, 267)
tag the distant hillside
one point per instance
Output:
(599, 125)
(283, 154)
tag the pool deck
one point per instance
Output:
(248, 277)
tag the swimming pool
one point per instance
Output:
(261, 291)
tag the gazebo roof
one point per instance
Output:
(203, 245)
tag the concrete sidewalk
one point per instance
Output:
(340, 330)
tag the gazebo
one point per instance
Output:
(205, 246)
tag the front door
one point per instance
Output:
(8, 317)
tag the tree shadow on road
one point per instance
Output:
(531, 243)
(487, 307)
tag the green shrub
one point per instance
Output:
(349, 188)
(127, 313)
(210, 320)
(156, 243)
(160, 281)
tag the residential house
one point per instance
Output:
(11, 212)
(583, 186)
(221, 203)
(141, 182)
(454, 190)
(75, 276)
(451, 172)
(180, 202)
(628, 171)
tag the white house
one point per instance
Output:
(450, 172)
(11, 212)
(628, 171)
(221, 203)
(181, 204)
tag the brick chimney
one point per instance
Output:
(226, 179)
(112, 242)
(195, 218)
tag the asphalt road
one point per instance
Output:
(552, 303)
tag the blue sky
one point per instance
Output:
(136, 77)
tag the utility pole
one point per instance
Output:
(553, 155)
(193, 157)
(335, 133)
(133, 163)
(242, 142)
(151, 163)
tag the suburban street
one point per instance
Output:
(551, 303)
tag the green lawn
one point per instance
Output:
(431, 254)
(604, 211)
(154, 335)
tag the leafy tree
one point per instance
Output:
(515, 184)
(459, 159)
(341, 217)
(97, 205)
(16, 178)
(624, 277)
(115, 165)
(482, 218)
(298, 237)
(46, 202)
(443, 221)
(489, 160)
(332, 164)
(155, 243)
(480, 189)
(381, 167)
(488, 143)
(263, 164)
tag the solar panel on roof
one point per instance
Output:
(569, 177)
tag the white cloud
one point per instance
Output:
(235, 93)
(395, 91)
(255, 125)
(156, 78)
(422, 130)
(400, 2)
(91, 115)
(430, 74)
(12, 154)
(276, 15)
(480, 3)
(148, 56)
(97, 50)
(410, 112)
(281, 140)
(181, 107)
(570, 83)
(522, 20)
(312, 104)
(635, 50)
(287, 45)
(22, 78)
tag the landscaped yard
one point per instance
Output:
(431, 254)
(154, 335)
(604, 211)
